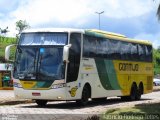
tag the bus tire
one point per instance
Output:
(139, 91)
(133, 92)
(85, 96)
(41, 103)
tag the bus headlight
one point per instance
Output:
(55, 86)
(18, 85)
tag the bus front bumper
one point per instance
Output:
(50, 94)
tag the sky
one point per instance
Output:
(132, 18)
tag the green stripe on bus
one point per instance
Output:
(94, 34)
(112, 74)
(43, 84)
(107, 74)
(103, 75)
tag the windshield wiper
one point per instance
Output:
(19, 49)
(18, 55)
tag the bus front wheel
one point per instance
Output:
(41, 103)
(85, 96)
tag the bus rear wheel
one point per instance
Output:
(139, 92)
(133, 93)
(41, 103)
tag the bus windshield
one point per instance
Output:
(40, 63)
(39, 56)
(43, 38)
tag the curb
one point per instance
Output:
(6, 88)
(15, 102)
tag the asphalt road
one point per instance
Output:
(69, 110)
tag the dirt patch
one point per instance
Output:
(14, 102)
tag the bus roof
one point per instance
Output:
(115, 36)
(53, 30)
(92, 32)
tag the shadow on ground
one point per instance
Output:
(73, 105)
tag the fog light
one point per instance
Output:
(59, 97)
(18, 85)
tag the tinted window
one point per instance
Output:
(115, 49)
(89, 46)
(114, 52)
(102, 48)
(50, 64)
(134, 51)
(125, 50)
(148, 53)
(74, 57)
(142, 52)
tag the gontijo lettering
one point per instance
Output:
(128, 67)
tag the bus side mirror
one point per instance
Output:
(66, 52)
(7, 52)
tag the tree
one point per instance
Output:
(158, 11)
(4, 31)
(157, 56)
(21, 25)
(158, 49)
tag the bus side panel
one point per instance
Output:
(103, 81)
(101, 76)
(138, 72)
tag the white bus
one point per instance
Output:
(74, 64)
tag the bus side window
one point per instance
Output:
(125, 50)
(142, 52)
(114, 49)
(89, 46)
(148, 53)
(134, 52)
(74, 57)
(102, 48)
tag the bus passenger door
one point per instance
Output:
(73, 65)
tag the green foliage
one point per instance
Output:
(148, 111)
(4, 41)
(21, 25)
(156, 60)
(4, 31)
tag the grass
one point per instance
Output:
(4, 41)
(149, 111)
